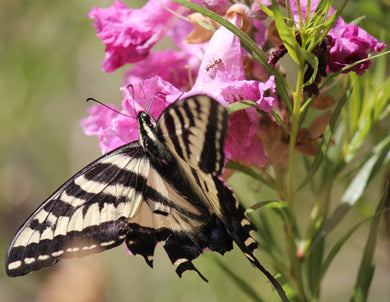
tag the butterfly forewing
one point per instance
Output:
(87, 214)
(195, 130)
(195, 133)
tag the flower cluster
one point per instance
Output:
(350, 43)
(204, 61)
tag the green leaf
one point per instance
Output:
(329, 131)
(333, 252)
(237, 106)
(251, 172)
(280, 121)
(313, 61)
(340, 242)
(266, 10)
(366, 269)
(359, 184)
(241, 283)
(286, 35)
(271, 204)
(277, 206)
(314, 263)
(268, 240)
(368, 170)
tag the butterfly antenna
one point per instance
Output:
(151, 103)
(105, 105)
(132, 97)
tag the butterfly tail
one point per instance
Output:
(181, 251)
(248, 246)
(239, 228)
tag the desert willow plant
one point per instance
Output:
(292, 136)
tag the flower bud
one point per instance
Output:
(244, 12)
(201, 33)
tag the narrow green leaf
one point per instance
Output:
(359, 184)
(340, 242)
(237, 106)
(333, 252)
(241, 283)
(329, 131)
(266, 10)
(268, 241)
(270, 204)
(287, 37)
(280, 121)
(313, 61)
(366, 269)
(370, 168)
(313, 267)
(251, 172)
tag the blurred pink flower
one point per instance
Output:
(179, 67)
(176, 67)
(129, 34)
(218, 6)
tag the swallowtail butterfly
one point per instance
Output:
(162, 188)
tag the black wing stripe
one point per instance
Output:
(163, 194)
(170, 125)
(81, 210)
(195, 131)
(215, 136)
(24, 259)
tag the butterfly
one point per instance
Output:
(163, 188)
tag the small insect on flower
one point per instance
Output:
(212, 65)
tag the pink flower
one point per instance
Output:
(130, 34)
(222, 77)
(257, 9)
(260, 32)
(179, 67)
(350, 42)
(176, 67)
(242, 141)
(218, 6)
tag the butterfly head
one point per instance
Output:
(148, 134)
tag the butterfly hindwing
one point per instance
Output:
(175, 216)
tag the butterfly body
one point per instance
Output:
(163, 188)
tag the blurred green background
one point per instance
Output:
(49, 64)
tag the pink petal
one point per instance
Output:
(130, 34)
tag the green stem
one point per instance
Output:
(294, 131)
(292, 232)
